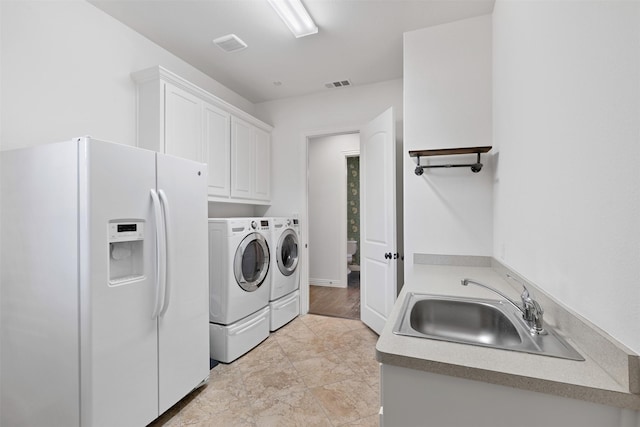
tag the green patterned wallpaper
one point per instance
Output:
(353, 203)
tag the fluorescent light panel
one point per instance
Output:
(293, 13)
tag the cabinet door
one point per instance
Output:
(262, 180)
(217, 145)
(183, 124)
(242, 158)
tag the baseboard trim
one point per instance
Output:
(327, 282)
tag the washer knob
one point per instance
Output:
(254, 224)
(288, 223)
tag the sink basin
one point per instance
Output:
(475, 322)
(483, 322)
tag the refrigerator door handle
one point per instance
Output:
(159, 223)
(167, 288)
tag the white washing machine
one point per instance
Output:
(285, 265)
(239, 285)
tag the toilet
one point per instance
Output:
(352, 247)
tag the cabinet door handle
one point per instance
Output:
(387, 255)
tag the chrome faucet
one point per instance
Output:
(531, 311)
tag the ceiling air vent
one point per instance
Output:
(230, 43)
(339, 83)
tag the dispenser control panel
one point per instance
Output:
(126, 231)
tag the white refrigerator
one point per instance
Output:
(104, 284)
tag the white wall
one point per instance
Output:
(65, 73)
(231, 210)
(325, 112)
(447, 103)
(328, 208)
(567, 123)
(331, 111)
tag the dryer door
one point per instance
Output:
(287, 252)
(251, 263)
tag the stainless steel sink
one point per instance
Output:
(483, 322)
(463, 321)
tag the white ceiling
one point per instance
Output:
(360, 40)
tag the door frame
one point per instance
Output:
(304, 215)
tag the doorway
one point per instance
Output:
(380, 152)
(334, 219)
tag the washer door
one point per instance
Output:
(287, 255)
(251, 263)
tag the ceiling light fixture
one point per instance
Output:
(293, 13)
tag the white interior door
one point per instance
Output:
(378, 227)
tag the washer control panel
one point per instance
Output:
(262, 225)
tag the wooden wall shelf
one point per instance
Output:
(449, 151)
(475, 167)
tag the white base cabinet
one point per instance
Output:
(178, 118)
(417, 398)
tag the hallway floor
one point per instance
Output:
(314, 371)
(337, 302)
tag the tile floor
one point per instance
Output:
(315, 371)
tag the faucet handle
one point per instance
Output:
(533, 312)
(525, 295)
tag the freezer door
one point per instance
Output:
(117, 292)
(183, 324)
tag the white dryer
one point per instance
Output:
(239, 285)
(285, 264)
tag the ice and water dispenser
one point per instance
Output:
(126, 245)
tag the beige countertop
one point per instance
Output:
(585, 380)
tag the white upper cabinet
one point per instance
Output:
(243, 159)
(217, 129)
(250, 161)
(183, 124)
(262, 178)
(178, 118)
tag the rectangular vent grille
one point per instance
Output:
(230, 43)
(339, 83)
